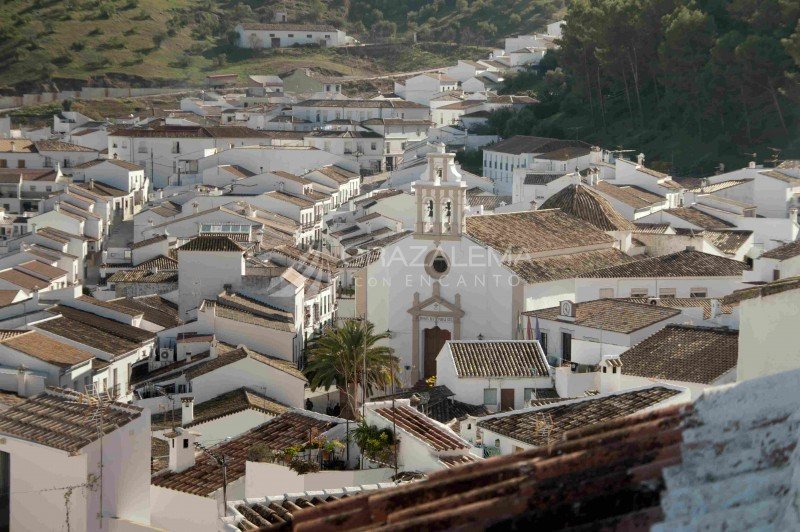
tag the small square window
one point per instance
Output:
(639, 292)
(186, 443)
(667, 292)
(698, 292)
(490, 396)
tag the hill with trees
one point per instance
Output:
(181, 41)
(691, 83)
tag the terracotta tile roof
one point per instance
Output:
(161, 262)
(422, 428)
(212, 243)
(722, 185)
(287, 27)
(236, 170)
(59, 235)
(726, 462)
(95, 331)
(629, 195)
(47, 349)
(565, 154)
(220, 406)
(784, 252)
(144, 276)
(699, 218)
(542, 179)
(116, 162)
(247, 310)
(534, 231)
(148, 241)
(9, 399)
(683, 353)
(166, 209)
(616, 315)
(457, 460)
(488, 202)
(102, 190)
(567, 266)
(198, 132)
(681, 303)
(437, 403)
(531, 489)
(228, 354)
(17, 145)
(290, 198)
(680, 264)
(204, 478)
(58, 145)
(782, 176)
(586, 204)
(651, 229)
(23, 280)
(545, 425)
(155, 308)
(526, 144)
(110, 305)
(311, 257)
(57, 418)
(775, 287)
(727, 241)
(159, 455)
(40, 269)
(278, 511)
(366, 104)
(338, 174)
(7, 297)
(506, 359)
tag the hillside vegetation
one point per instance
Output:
(691, 83)
(181, 41)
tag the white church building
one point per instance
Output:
(453, 277)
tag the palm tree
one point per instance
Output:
(337, 357)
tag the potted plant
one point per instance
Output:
(330, 447)
(302, 467)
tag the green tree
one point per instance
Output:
(339, 356)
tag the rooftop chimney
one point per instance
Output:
(716, 308)
(181, 449)
(751, 164)
(610, 373)
(640, 159)
(187, 410)
(91, 184)
(13, 146)
(689, 248)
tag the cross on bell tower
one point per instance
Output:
(441, 198)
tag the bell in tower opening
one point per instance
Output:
(441, 197)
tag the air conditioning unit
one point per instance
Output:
(165, 353)
(652, 301)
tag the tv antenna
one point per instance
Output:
(98, 403)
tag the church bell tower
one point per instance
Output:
(441, 199)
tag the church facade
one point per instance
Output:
(438, 284)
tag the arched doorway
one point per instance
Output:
(434, 341)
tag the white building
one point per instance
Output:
(584, 333)
(688, 273)
(501, 375)
(454, 271)
(535, 155)
(686, 356)
(516, 431)
(768, 316)
(188, 494)
(425, 445)
(254, 35)
(60, 468)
